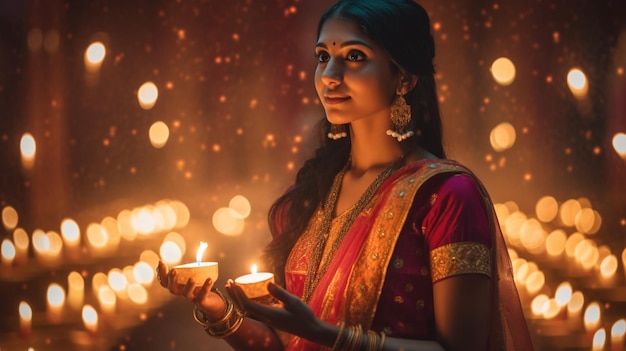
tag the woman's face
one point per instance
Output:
(354, 79)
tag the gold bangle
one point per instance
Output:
(228, 327)
(201, 318)
(338, 340)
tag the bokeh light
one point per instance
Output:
(503, 71)
(147, 95)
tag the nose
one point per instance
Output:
(332, 73)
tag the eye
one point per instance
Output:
(322, 56)
(355, 56)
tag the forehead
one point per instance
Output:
(338, 30)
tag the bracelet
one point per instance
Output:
(353, 338)
(201, 318)
(226, 325)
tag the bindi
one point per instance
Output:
(333, 43)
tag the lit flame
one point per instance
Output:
(253, 269)
(200, 251)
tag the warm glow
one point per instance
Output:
(143, 221)
(512, 227)
(75, 289)
(253, 269)
(563, 294)
(170, 252)
(117, 280)
(147, 95)
(99, 279)
(551, 309)
(539, 304)
(586, 252)
(535, 282)
(576, 303)
(587, 221)
(577, 82)
(21, 240)
(227, 221)
(9, 218)
(70, 232)
(41, 242)
(137, 293)
(240, 205)
(200, 251)
(90, 318)
(546, 209)
(599, 340)
(502, 136)
(55, 295)
(95, 53)
(167, 213)
(159, 134)
(568, 211)
(26, 313)
(182, 213)
(107, 298)
(592, 316)
(608, 266)
(28, 147)
(96, 236)
(555, 242)
(618, 330)
(111, 228)
(8, 251)
(143, 273)
(532, 236)
(571, 243)
(124, 223)
(619, 144)
(503, 71)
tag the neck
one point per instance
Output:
(369, 152)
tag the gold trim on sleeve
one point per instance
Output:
(460, 258)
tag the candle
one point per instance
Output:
(255, 284)
(90, 318)
(8, 252)
(75, 290)
(26, 319)
(617, 335)
(599, 339)
(55, 302)
(199, 271)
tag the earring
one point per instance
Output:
(400, 119)
(337, 131)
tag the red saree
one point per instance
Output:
(352, 287)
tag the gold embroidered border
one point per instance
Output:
(368, 275)
(460, 258)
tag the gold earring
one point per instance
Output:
(400, 119)
(337, 131)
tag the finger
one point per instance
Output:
(234, 292)
(256, 310)
(190, 291)
(289, 300)
(161, 273)
(203, 292)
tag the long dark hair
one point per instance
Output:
(402, 28)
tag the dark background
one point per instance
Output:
(236, 91)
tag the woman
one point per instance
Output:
(381, 244)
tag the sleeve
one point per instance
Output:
(456, 229)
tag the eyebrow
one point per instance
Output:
(346, 43)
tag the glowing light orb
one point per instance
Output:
(55, 295)
(592, 316)
(619, 144)
(159, 133)
(502, 136)
(10, 218)
(577, 82)
(241, 205)
(547, 209)
(95, 53)
(147, 95)
(70, 231)
(227, 221)
(563, 293)
(503, 71)
(170, 252)
(576, 302)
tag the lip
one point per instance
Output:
(335, 99)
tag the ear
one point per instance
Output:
(406, 83)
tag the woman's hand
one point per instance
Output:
(294, 317)
(210, 303)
